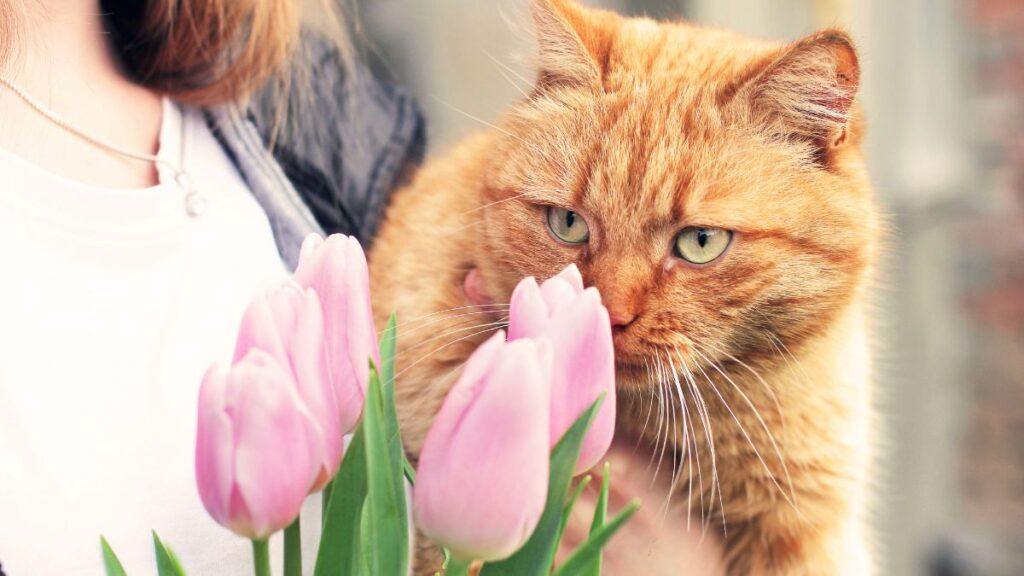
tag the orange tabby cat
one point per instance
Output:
(712, 187)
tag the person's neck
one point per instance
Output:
(63, 60)
(63, 46)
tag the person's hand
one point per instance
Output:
(655, 541)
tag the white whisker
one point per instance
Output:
(435, 351)
(742, 428)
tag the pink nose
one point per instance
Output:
(621, 318)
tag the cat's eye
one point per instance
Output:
(700, 245)
(567, 226)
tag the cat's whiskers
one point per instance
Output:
(451, 331)
(757, 414)
(510, 69)
(650, 405)
(664, 426)
(529, 145)
(691, 434)
(705, 419)
(491, 328)
(684, 415)
(715, 480)
(673, 436)
(659, 425)
(496, 202)
(677, 394)
(777, 342)
(739, 424)
(452, 317)
(405, 323)
(502, 70)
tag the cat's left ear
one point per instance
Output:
(572, 43)
(807, 92)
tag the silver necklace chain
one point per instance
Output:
(194, 201)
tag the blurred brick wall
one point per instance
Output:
(993, 450)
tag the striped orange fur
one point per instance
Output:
(644, 128)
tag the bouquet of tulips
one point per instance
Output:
(308, 404)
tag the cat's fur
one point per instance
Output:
(644, 128)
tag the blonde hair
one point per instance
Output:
(199, 52)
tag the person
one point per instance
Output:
(161, 162)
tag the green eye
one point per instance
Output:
(567, 226)
(702, 245)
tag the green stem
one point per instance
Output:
(293, 549)
(456, 567)
(325, 499)
(261, 558)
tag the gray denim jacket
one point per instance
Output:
(333, 163)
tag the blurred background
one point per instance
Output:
(943, 87)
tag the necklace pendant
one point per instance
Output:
(195, 202)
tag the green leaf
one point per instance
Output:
(167, 562)
(387, 517)
(338, 554)
(387, 379)
(600, 515)
(388, 342)
(582, 559)
(110, 561)
(538, 554)
(374, 463)
(293, 548)
(410, 472)
(570, 504)
(365, 542)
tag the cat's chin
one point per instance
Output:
(631, 376)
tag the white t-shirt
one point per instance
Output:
(112, 305)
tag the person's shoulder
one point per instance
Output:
(342, 133)
(323, 87)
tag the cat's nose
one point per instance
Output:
(621, 318)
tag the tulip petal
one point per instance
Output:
(528, 311)
(263, 323)
(337, 271)
(557, 293)
(483, 470)
(571, 274)
(310, 244)
(584, 368)
(309, 364)
(214, 446)
(278, 448)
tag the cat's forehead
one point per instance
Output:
(659, 154)
(680, 54)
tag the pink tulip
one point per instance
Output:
(577, 325)
(482, 479)
(288, 324)
(258, 449)
(336, 269)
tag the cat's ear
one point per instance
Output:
(807, 91)
(572, 43)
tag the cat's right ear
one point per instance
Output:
(572, 43)
(807, 92)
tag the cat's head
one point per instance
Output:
(710, 185)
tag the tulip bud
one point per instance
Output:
(577, 325)
(288, 324)
(258, 449)
(336, 269)
(482, 478)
